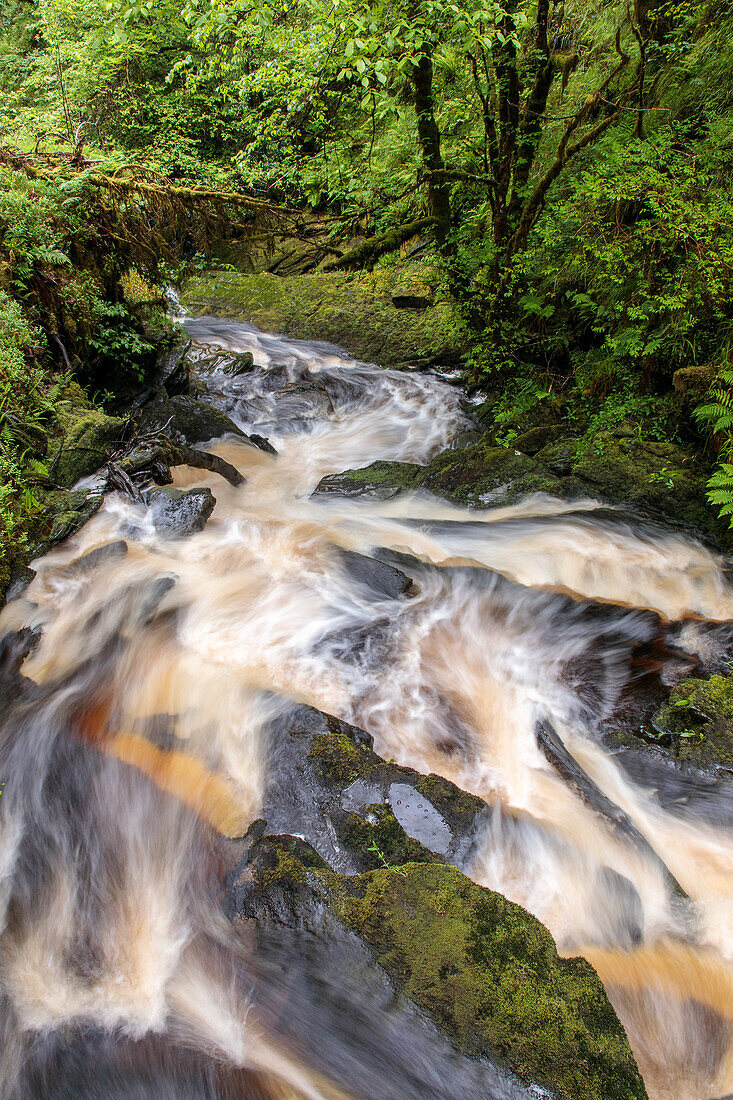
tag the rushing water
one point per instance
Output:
(118, 974)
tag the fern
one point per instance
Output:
(720, 490)
(717, 412)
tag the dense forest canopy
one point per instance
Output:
(565, 169)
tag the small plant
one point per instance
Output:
(374, 847)
(665, 476)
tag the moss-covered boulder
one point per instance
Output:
(664, 478)
(83, 438)
(186, 420)
(696, 724)
(484, 970)
(479, 475)
(358, 312)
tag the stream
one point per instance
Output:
(119, 974)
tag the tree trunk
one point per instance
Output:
(429, 138)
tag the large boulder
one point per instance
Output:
(660, 480)
(485, 972)
(186, 420)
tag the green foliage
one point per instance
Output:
(716, 414)
(116, 336)
(21, 408)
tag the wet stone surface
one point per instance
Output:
(324, 775)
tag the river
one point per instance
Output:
(109, 924)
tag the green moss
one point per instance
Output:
(378, 838)
(355, 311)
(488, 973)
(337, 759)
(454, 805)
(64, 513)
(85, 435)
(696, 724)
(286, 863)
(664, 477)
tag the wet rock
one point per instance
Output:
(14, 648)
(208, 359)
(477, 475)
(366, 645)
(299, 402)
(381, 479)
(241, 363)
(617, 910)
(710, 643)
(20, 578)
(67, 512)
(87, 563)
(579, 781)
(324, 775)
(376, 576)
(186, 420)
(262, 444)
(177, 513)
(485, 972)
(172, 371)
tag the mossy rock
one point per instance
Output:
(662, 477)
(353, 311)
(379, 839)
(184, 419)
(532, 440)
(696, 724)
(327, 784)
(620, 467)
(692, 383)
(380, 479)
(85, 436)
(479, 475)
(482, 968)
(64, 513)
